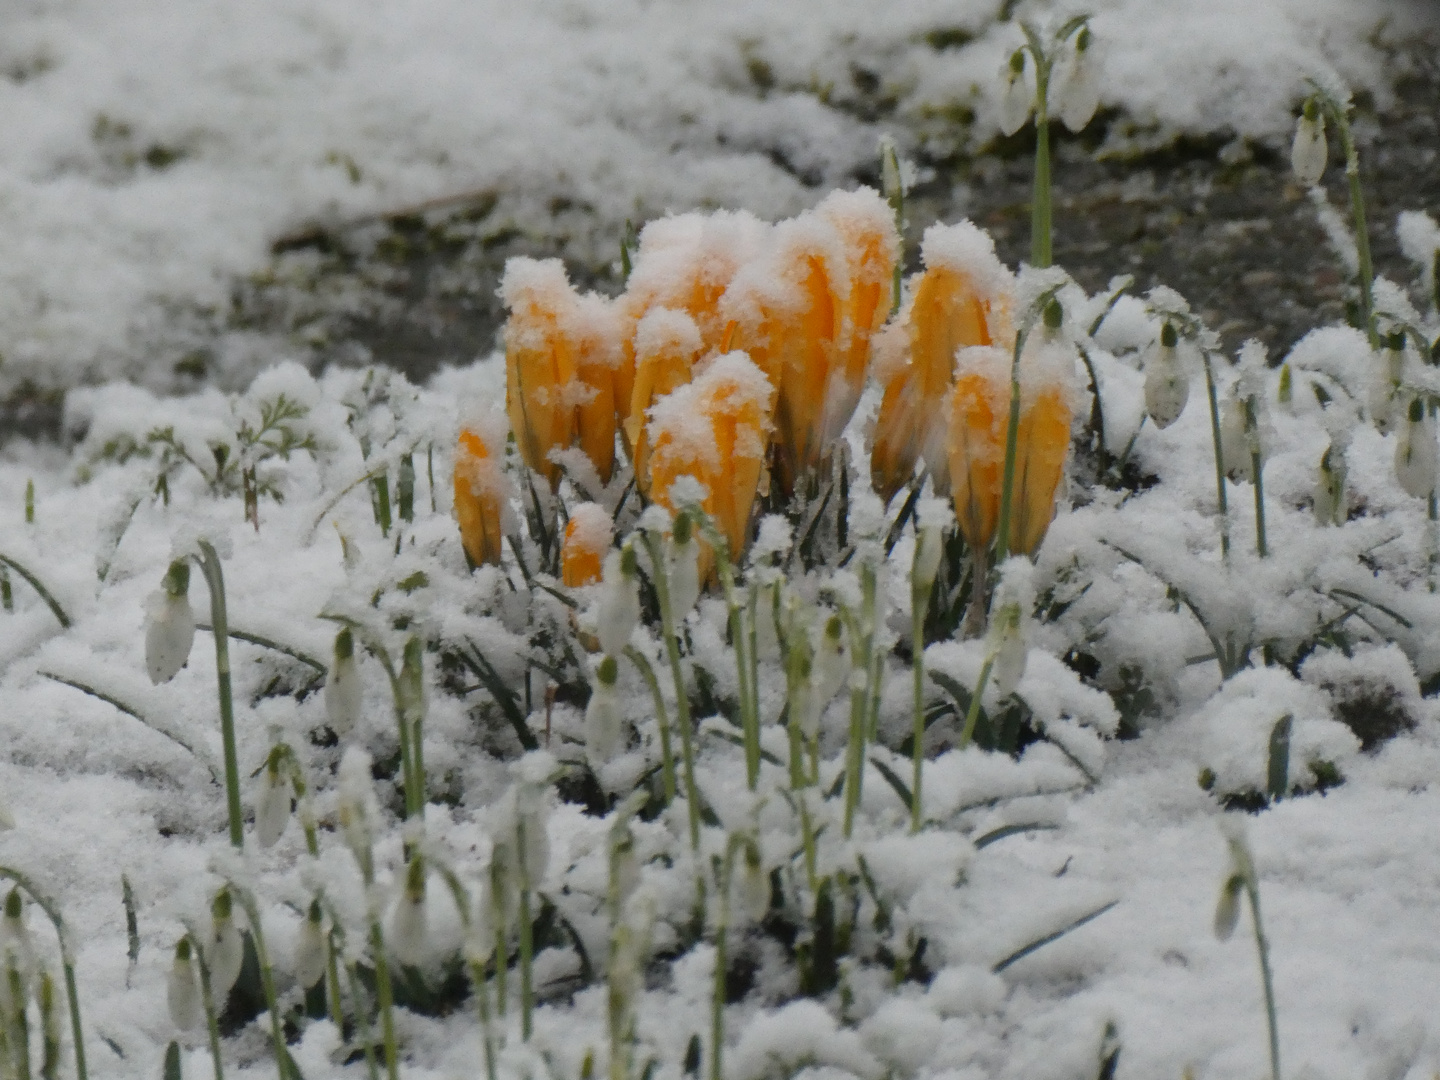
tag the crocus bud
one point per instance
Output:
(752, 888)
(182, 990)
(604, 715)
(344, 692)
(1016, 100)
(272, 806)
(1416, 452)
(409, 922)
(619, 607)
(1308, 152)
(309, 963)
(684, 569)
(1330, 502)
(169, 624)
(1167, 384)
(226, 949)
(1078, 94)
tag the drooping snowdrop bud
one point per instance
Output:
(604, 715)
(48, 999)
(169, 624)
(410, 921)
(1009, 617)
(1238, 875)
(16, 945)
(1167, 384)
(831, 666)
(532, 838)
(344, 691)
(1385, 385)
(619, 605)
(932, 517)
(684, 569)
(1078, 95)
(272, 806)
(1016, 100)
(752, 886)
(1330, 502)
(1227, 909)
(182, 990)
(479, 944)
(225, 951)
(309, 963)
(1308, 152)
(357, 798)
(1416, 455)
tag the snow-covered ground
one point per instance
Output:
(154, 151)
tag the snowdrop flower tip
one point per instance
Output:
(182, 990)
(309, 965)
(1016, 101)
(1308, 153)
(344, 690)
(1167, 384)
(169, 625)
(272, 808)
(1416, 455)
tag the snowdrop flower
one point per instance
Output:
(1016, 100)
(530, 809)
(1308, 152)
(1385, 384)
(1329, 499)
(226, 949)
(752, 887)
(1078, 92)
(481, 487)
(892, 178)
(618, 608)
(357, 798)
(309, 961)
(272, 806)
(182, 989)
(830, 669)
(962, 299)
(684, 568)
(344, 689)
(169, 624)
(1167, 384)
(1240, 873)
(1009, 618)
(588, 534)
(1416, 453)
(479, 942)
(410, 919)
(16, 945)
(1234, 444)
(933, 517)
(413, 695)
(604, 715)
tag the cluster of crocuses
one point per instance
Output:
(737, 356)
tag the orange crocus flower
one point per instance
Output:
(714, 429)
(588, 534)
(561, 355)
(1042, 443)
(667, 343)
(480, 492)
(960, 300)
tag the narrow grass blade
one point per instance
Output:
(1024, 951)
(39, 588)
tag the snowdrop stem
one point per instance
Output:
(1262, 947)
(677, 675)
(386, 995)
(972, 715)
(1219, 458)
(724, 871)
(267, 979)
(332, 982)
(751, 711)
(527, 942)
(67, 959)
(1339, 115)
(16, 1024)
(215, 581)
(862, 693)
(919, 601)
(662, 720)
(207, 1002)
(1256, 467)
(1040, 209)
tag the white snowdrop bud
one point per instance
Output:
(831, 667)
(344, 691)
(1016, 99)
(169, 624)
(604, 715)
(504, 891)
(624, 865)
(16, 945)
(1234, 445)
(1308, 153)
(684, 569)
(1416, 452)
(619, 604)
(356, 797)
(1227, 909)
(182, 990)
(410, 920)
(1008, 650)
(532, 840)
(1385, 385)
(752, 887)
(1078, 94)
(929, 547)
(309, 963)
(225, 952)
(1330, 503)
(479, 944)
(272, 805)
(1167, 384)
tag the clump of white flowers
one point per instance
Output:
(169, 624)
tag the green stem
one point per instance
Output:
(1256, 467)
(1012, 433)
(717, 996)
(919, 601)
(362, 1020)
(682, 702)
(1040, 213)
(19, 1027)
(662, 720)
(1262, 946)
(527, 943)
(44, 593)
(267, 982)
(332, 983)
(972, 715)
(215, 580)
(1357, 209)
(386, 997)
(1219, 458)
(207, 1000)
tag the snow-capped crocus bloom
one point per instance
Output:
(666, 345)
(1417, 457)
(715, 430)
(1308, 153)
(481, 494)
(806, 314)
(169, 624)
(962, 299)
(587, 538)
(562, 354)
